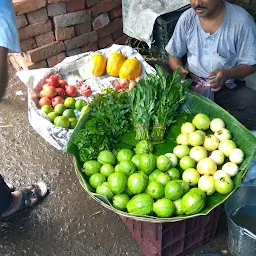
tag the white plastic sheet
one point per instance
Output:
(72, 69)
(139, 16)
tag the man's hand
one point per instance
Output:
(222, 75)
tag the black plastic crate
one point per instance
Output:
(164, 28)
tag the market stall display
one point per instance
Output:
(145, 146)
(192, 164)
(75, 71)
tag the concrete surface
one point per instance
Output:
(68, 222)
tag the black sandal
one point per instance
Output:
(37, 191)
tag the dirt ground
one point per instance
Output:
(68, 222)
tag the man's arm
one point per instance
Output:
(222, 75)
(175, 63)
(3, 71)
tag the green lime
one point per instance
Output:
(143, 147)
(152, 176)
(80, 103)
(97, 179)
(184, 185)
(61, 121)
(52, 116)
(128, 192)
(120, 201)
(199, 192)
(106, 157)
(164, 208)
(147, 163)
(177, 204)
(84, 110)
(70, 102)
(69, 113)
(173, 190)
(104, 190)
(187, 162)
(155, 190)
(124, 154)
(107, 169)
(73, 122)
(59, 108)
(91, 167)
(163, 178)
(137, 183)
(163, 163)
(47, 109)
(117, 182)
(136, 159)
(141, 204)
(174, 173)
(127, 167)
(192, 203)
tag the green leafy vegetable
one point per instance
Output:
(107, 118)
(170, 94)
(142, 101)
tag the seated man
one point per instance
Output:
(219, 39)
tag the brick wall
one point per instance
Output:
(50, 30)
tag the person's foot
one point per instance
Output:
(24, 198)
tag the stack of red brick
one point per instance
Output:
(50, 30)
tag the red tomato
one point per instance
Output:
(49, 92)
(63, 83)
(57, 100)
(44, 101)
(71, 90)
(60, 92)
(53, 81)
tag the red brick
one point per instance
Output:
(110, 28)
(64, 33)
(72, 18)
(101, 21)
(90, 3)
(75, 5)
(25, 6)
(79, 41)
(26, 64)
(105, 41)
(116, 12)
(90, 47)
(83, 28)
(56, 1)
(45, 51)
(21, 21)
(37, 16)
(105, 6)
(56, 9)
(28, 44)
(54, 60)
(122, 40)
(73, 52)
(117, 33)
(35, 29)
(45, 38)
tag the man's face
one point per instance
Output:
(205, 8)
